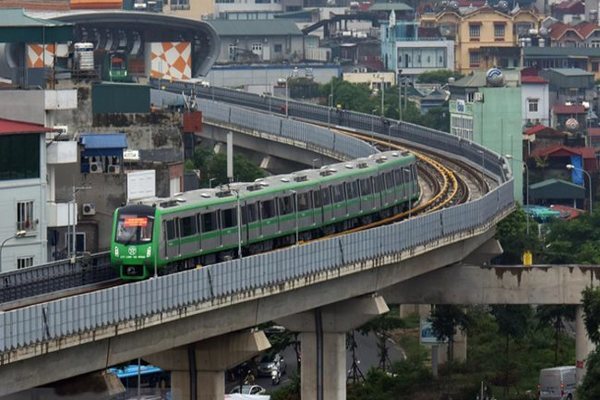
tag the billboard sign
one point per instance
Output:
(141, 184)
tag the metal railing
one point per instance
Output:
(202, 289)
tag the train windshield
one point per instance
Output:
(134, 229)
(117, 62)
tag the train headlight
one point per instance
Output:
(148, 251)
(116, 251)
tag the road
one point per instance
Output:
(366, 352)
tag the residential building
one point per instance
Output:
(249, 41)
(192, 9)
(569, 11)
(484, 37)
(561, 113)
(535, 98)
(412, 50)
(23, 187)
(491, 116)
(583, 58)
(583, 34)
(569, 85)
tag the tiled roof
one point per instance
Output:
(536, 129)
(585, 152)
(565, 109)
(582, 29)
(532, 79)
(10, 127)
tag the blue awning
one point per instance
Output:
(103, 144)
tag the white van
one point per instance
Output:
(558, 383)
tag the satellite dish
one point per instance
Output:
(572, 124)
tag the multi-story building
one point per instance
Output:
(569, 85)
(484, 37)
(259, 41)
(22, 194)
(584, 34)
(536, 98)
(491, 116)
(412, 50)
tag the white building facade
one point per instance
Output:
(535, 101)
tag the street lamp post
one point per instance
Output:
(382, 96)
(399, 96)
(373, 111)
(287, 95)
(390, 135)
(16, 235)
(239, 221)
(571, 166)
(329, 107)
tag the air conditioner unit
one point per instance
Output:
(96, 167)
(478, 96)
(88, 209)
(114, 169)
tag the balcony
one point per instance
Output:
(61, 152)
(58, 215)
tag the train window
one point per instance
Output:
(249, 213)
(267, 209)
(365, 187)
(317, 198)
(338, 193)
(304, 202)
(188, 226)
(209, 221)
(389, 180)
(228, 218)
(286, 205)
(326, 196)
(170, 229)
(351, 190)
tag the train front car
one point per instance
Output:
(132, 246)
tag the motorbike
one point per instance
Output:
(275, 376)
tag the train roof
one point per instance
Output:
(294, 181)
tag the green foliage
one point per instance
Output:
(402, 382)
(349, 96)
(291, 391)
(591, 309)
(590, 386)
(214, 166)
(512, 234)
(576, 241)
(553, 316)
(438, 76)
(445, 319)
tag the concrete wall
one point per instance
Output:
(267, 75)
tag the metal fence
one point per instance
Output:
(88, 312)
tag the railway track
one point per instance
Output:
(444, 182)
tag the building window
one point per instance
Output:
(257, 48)
(533, 105)
(499, 31)
(24, 262)
(180, 5)
(25, 216)
(474, 59)
(19, 156)
(277, 48)
(474, 31)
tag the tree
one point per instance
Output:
(555, 315)
(439, 76)
(590, 386)
(445, 319)
(214, 166)
(512, 234)
(381, 327)
(513, 322)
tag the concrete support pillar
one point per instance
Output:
(460, 346)
(206, 362)
(583, 345)
(323, 338)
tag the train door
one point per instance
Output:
(317, 207)
(305, 209)
(268, 217)
(326, 204)
(366, 195)
(228, 224)
(389, 196)
(338, 199)
(251, 221)
(172, 238)
(188, 231)
(287, 212)
(352, 198)
(209, 228)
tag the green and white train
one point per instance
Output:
(200, 227)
